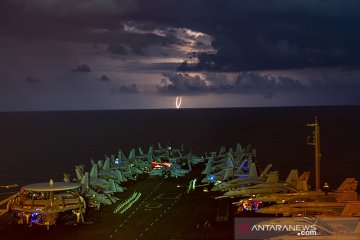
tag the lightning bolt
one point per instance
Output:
(178, 102)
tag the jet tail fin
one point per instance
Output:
(120, 176)
(347, 190)
(141, 151)
(265, 172)
(121, 155)
(151, 150)
(253, 172)
(132, 154)
(106, 165)
(229, 161)
(207, 169)
(292, 178)
(66, 177)
(302, 182)
(92, 162)
(85, 180)
(357, 229)
(94, 171)
(229, 172)
(351, 209)
(115, 187)
(349, 185)
(79, 172)
(273, 177)
(100, 164)
(222, 150)
(238, 148)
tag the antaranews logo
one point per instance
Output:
(243, 228)
(260, 228)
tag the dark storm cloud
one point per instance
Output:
(105, 78)
(117, 49)
(88, 21)
(258, 34)
(33, 80)
(248, 35)
(83, 68)
(125, 89)
(182, 83)
(245, 82)
(250, 82)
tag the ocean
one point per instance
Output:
(37, 146)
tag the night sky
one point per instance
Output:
(140, 54)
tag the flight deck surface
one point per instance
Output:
(164, 211)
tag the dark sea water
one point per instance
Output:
(37, 146)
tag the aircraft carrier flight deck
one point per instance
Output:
(164, 210)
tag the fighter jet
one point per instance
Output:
(220, 172)
(104, 170)
(315, 202)
(167, 169)
(168, 153)
(176, 169)
(94, 197)
(345, 192)
(95, 182)
(160, 169)
(252, 178)
(192, 158)
(293, 183)
(128, 168)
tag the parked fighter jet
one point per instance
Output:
(192, 158)
(252, 178)
(315, 202)
(293, 183)
(223, 170)
(96, 198)
(170, 154)
(345, 192)
(97, 183)
(106, 171)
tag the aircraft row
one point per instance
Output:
(234, 175)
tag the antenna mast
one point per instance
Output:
(315, 141)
